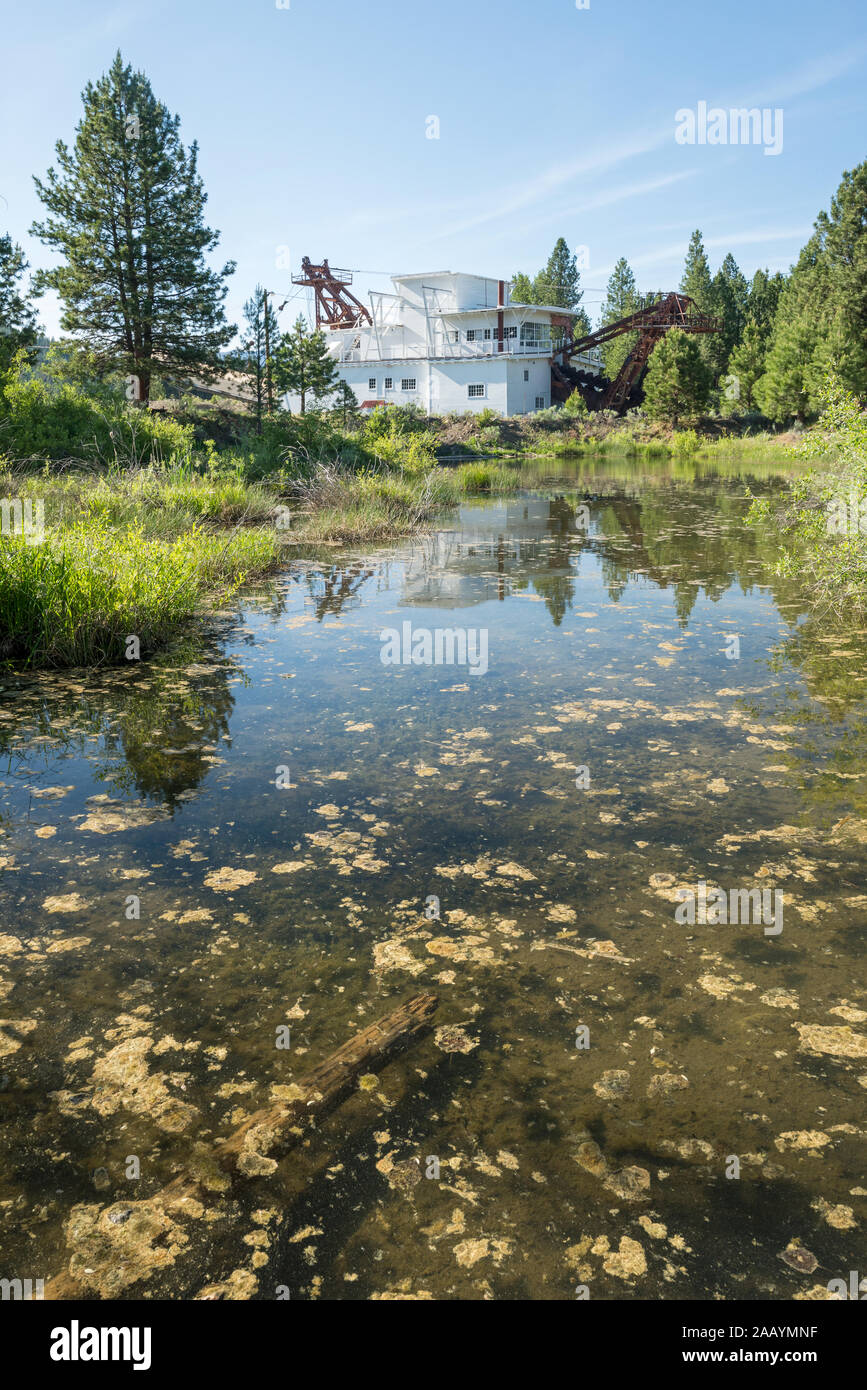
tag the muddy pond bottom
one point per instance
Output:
(514, 764)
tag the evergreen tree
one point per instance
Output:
(559, 283)
(621, 300)
(678, 380)
(696, 281)
(17, 316)
(739, 287)
(264, 339)
(345, 405)
(798, 349)
(821, 316)
(522, 289)
(722, 304)
(843, 236)
(303, 365)
(764, 296)
(126, 213)
(747, 364)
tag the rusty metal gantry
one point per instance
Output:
(336, 306)
(673, 310)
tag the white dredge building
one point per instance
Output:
(442, 340)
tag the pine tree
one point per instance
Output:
(303, 365)
(740, 290)
(522, 289)
(346, 405)
(798, 349)
(696, 281)
(821, 317)
(17, 316)
(843, 236)
(264, 339)
(678, 380)
(621, 300)
(126, 213)
(747, 364)
(559, 283)
(764, 296)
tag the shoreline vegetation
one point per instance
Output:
(151, 517)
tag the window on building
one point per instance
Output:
(456, 337)
(511, 332)
(475, 391)
(388, 383)
(540, 402)
(526, 375)
(471, 335)
(371, 383)
(407, 383)
(487, 334)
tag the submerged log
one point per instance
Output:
(276, 1127)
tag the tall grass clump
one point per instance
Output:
(76, 598)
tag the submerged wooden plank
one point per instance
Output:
(272, 1128)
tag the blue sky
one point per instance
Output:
(553, 120)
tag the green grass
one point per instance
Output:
(125, 555)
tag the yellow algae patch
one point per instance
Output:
(224, 880)
(119, 1245)
(13, 1032)
(469, 1252)
(511, 870)
(780, 999)
(121, 1079)
(801, 1139)
(69, 943)
(357, 728)
(45, 832)
(68, 902)
(102, 822)
(627, 1262)
(394, 955)
(653, 1228)
(292, 866)
(831, 1041)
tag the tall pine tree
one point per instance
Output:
(125, 210)
(621, 300)
(262, 343)
(17, 315)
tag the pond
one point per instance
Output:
(514, 762)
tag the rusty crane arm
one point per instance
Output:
(673, 310)
(336, 305)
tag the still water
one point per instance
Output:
(270, 829)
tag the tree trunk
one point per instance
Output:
(319, 1091)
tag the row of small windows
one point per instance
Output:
(407, 383)
(485, 334)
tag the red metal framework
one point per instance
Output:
(673, 310)
(336, 307)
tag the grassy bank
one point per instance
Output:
(152, 516)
